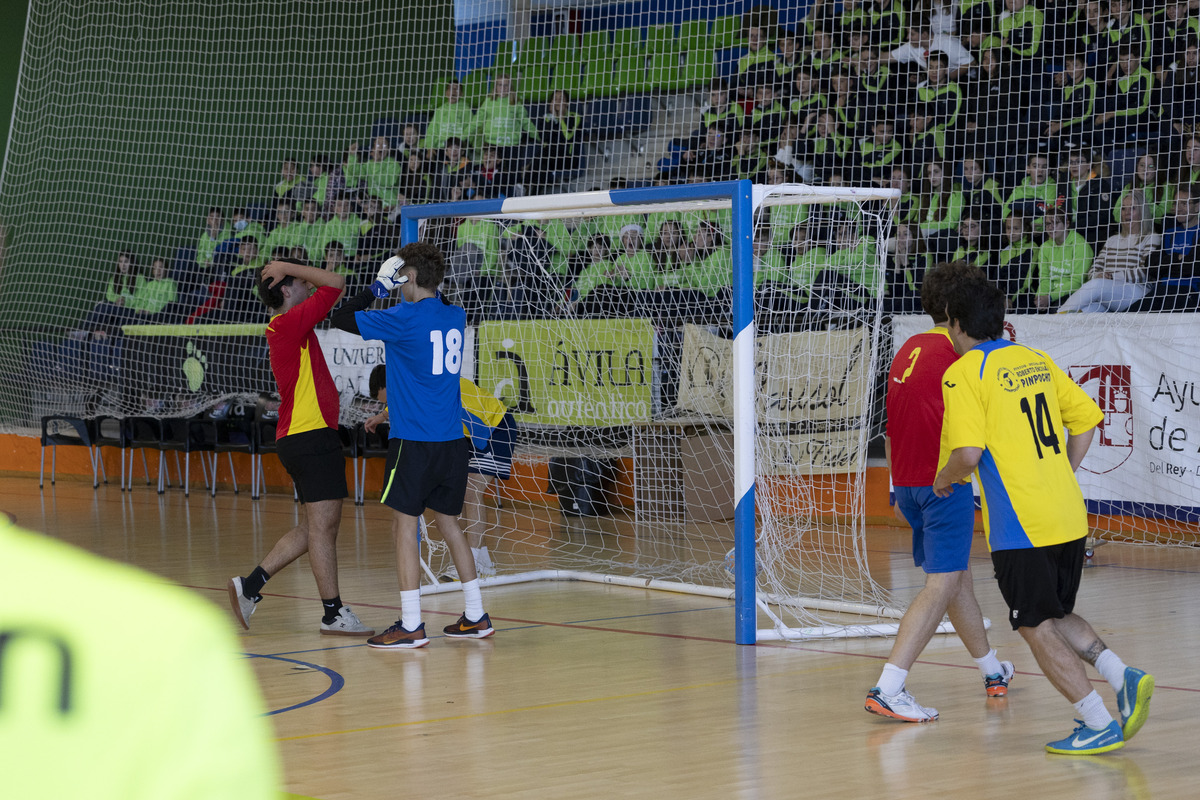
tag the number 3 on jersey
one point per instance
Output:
(447, 351)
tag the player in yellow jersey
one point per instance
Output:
(91, 708)
(1006, 407)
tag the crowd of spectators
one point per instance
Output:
(1053, 144)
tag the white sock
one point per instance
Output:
(989, 664)
(891, 680)
(473, 601)
(482, 558)
(1093, 713)
(1112, 668)
(410, 609)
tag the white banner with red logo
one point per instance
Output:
(1141, 369)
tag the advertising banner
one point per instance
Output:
(1141, 369)
(813, 391)
(569, 372)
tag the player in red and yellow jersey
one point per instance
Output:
(1006, 409)
(942, 527)
(306, 438)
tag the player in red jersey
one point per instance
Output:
(942, 527)
(307, 439)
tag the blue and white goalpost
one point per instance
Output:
(838, 557)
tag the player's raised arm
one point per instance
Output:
(387, 279)
(276, 271)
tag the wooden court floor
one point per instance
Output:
(589, 691)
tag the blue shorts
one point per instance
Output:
(943, 527)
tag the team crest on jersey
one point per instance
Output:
(1008, 381)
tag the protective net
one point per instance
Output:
(160, 152)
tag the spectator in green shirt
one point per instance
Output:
(153, 296)
(1153, 184)
(1062, 262)
(972, 245)
(316, 186)
(116, 309)
(454, 167)
(289, 179)
(502, 121)
(382, 172)
(1036, 192)
(942, 205)
(634, 261)
(1012, 269)
(243, 226)
(343, 227)
(286, 233)
(452, 119)
(1128, 112)
(215, 232)
(310, 231)
(599, 270)
(334, 260)
(1020, 27)
(849, 279)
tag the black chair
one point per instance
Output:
(350, 446)
(117, 432)
(147, 432)
(266, 422)
(187, 436)
(229, 428)
(66, 431)
(370, 445)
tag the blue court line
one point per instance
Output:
(336, 682)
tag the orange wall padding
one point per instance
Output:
(19, 455)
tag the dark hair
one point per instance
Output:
(211, 209)
(126, 282)
(977, 306)
(937, 282)
(272, 296)
(377, 381)
(427, 260)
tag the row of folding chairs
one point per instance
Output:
(220, 430)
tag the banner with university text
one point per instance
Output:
(813, 391)
(1141, 369)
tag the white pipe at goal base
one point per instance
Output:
(779, 633)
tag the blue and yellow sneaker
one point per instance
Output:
(1134, 700)
(1085, 741)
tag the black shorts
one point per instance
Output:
(1039, 583)
(421, 475)
(496, 459)
(315, 461)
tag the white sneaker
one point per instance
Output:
(902, 706)
(347, 623)
(449, 575)
(242, 606)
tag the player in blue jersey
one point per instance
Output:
(426, 467)
(1006, 406)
